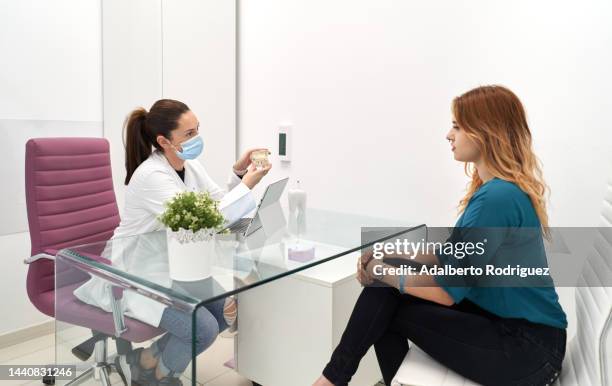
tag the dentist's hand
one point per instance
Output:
(254, 175)
(245, 160)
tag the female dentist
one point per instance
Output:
(162, 146)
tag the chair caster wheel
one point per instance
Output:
(48, 380)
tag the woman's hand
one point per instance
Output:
(254, 175)
(363, 276)
(244, 161)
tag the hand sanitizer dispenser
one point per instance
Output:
(298, 250)
(297, 210)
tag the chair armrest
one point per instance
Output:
(116, 295)
(117, 292)
(37, 257)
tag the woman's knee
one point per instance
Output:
(379, 292)
(207, 329)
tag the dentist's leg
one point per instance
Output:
(173, 350)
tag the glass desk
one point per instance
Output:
(120, 288)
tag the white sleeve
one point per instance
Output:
(239, 201)
(233, 180)
(236, 203)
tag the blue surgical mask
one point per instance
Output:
(192, 148)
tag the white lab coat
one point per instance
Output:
(153, 183)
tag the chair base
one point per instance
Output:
(103, 365)
(84, 350)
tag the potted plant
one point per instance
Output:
(192, 220)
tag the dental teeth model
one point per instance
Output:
(259, 158)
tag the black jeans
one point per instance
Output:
(465, 338)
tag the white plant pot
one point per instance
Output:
(191, 256)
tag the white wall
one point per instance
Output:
(50, 85)
(132, 68)
(199, 68)
(50, 66)
(368, 86)
(178, 49)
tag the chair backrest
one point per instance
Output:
(70, 201)
(594, 306)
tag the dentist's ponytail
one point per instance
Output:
(137, 147)
(141, 129)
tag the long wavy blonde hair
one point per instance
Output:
(494, 118)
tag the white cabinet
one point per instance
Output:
(288, 328)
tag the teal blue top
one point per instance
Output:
(503, 206)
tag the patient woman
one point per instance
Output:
(500, 335)
(162, 146)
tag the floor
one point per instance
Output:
(211, 368)
(210, 365)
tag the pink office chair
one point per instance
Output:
(71, 201)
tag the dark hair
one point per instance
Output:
(141, 130)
